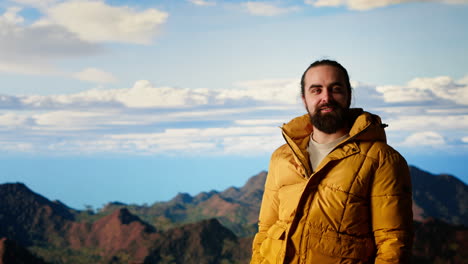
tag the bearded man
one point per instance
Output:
(335, 192)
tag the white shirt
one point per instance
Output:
(319, 151)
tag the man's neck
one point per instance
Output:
(324, 138)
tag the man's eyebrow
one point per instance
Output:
(315, 86)
(331, 84)
(336, 83)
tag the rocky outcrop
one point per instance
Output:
(12, 253)
(441, 197)
(120, 233)
(206, 242)
(27, 216)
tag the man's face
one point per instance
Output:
(326, 98)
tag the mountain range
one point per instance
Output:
(211, 227)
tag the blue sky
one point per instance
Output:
(135, 101)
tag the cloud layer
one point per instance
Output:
(202, 2)
(267, 9)
(71, 30)
(149, 119)
(31, 49)
(143, 94)
(96, 21)
(363, 5)
(146, 118)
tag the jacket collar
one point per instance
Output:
(365, 127)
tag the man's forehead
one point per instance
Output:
(328, 71)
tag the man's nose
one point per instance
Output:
(326, 96)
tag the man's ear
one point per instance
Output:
(304, 103)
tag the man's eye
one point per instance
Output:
(338, 89)
(315, 90)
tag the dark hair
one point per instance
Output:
(333, 64)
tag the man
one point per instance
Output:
(335, 192)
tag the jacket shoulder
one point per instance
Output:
(285, 168)
(281, 152)
(380, 151)
(284, 156)
(280, 157)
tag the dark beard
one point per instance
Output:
(330, 123)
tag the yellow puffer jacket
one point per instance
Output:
(354, 208)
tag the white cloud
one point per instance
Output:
(267, 9)
(464, 139)
(426, 90)
(322, 3)
(398, 94)
(81, 120)
(252, 145)
(276, 90)
(146, 146)
(212, 141)
(29, 68)
(449, 111)
(428, 138)
(34, 42)
(147, 105)
(365, 95)
(95, 75)
(148, 119)
(368, 4)
(70, 29)
(371, 4)
(143, 94)
(464, 80)
(229, 140)
(256, 122)
(202, 133)
(15, 121)
(202, 2)
(72, 120)
(452, 2)
(35, 3)
(11, 16)
(95, 21)
(427, 122)
(16, 146)
(27, 49)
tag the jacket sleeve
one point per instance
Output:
(268, 211)
(391, 210)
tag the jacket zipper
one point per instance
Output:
(307, 172)
(303, 240)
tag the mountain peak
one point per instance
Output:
(27, 216)
(18, 195)
(14, 185)
(182, 198)
(206, 241)
(440, 196)
(123, 216)
(250, 193)
(126, 217)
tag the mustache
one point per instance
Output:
(329, 104)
